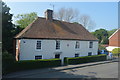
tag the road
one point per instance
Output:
(108, 70)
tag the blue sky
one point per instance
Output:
(104, 14)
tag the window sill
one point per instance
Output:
(77, 49)
(38, 50)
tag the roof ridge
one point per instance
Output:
(61, 21)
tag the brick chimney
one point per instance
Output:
(49, 14)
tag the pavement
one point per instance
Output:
(54, 69)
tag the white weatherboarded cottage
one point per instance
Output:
(48, 38)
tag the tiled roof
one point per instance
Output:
(45, 29)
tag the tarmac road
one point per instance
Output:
(107, 70)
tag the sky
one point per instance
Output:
(104, 14)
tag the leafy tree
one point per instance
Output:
(116, 52)
(23, 20)
(102, 35)
(111, 32)
(7, 29)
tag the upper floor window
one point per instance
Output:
(77, 45)
(38, 45)
(57, 44)
(91, 45)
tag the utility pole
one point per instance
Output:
(53, 8)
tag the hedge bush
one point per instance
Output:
(33, 64)
(85, 59)
(116, 52)
(7, 61)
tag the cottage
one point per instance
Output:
(114, 40)
(48, 38)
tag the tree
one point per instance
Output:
(23, 20)
(116, 52)
(110, 32)
(66, 14)
(86, 21)
(102, 35)
(7, 29)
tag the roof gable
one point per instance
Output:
(118, 30)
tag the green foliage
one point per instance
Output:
(7, 61)
(111, 32)
(33, 64)
(7, 29)
(75, 22)
(23, 20)
(116, 51)
(101, 47)
(7, 56)
(102, 35)
(85, 59)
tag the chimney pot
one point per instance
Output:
(49, 14)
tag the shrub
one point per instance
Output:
(116, 51)
(34, 64)
(86, 59)
(7, 61)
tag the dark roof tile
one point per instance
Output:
(45, 29)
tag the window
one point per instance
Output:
(38, 45)
(38, 57)
(89, 53)
(57, 44)
(57, 55)
(91, 45)
(77, 45)
(76, 55)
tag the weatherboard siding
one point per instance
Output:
(48, 48)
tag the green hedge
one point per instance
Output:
(85, 59)
(33, 64)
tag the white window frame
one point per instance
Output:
(38, 56)
(89, 52)
(90, 44)
(37, 45)
(77, 54)
(77, 45)
(57, 45)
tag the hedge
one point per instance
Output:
(85, 59)
(33, 64)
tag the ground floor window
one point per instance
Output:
(89, 53)
(38, 57)
(57, 55)
(76, 55)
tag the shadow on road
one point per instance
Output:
(51, 73)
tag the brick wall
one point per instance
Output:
(115, 39)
